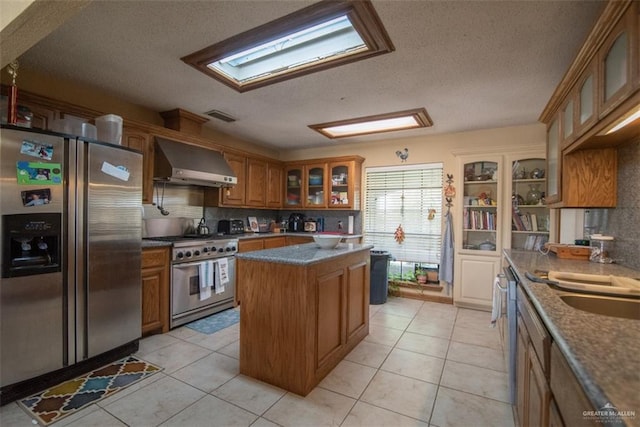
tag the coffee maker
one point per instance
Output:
(296, 222)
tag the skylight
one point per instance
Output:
(400, 120)
(321, 36)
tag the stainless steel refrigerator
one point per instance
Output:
(71, 246)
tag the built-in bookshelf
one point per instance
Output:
(529, 212)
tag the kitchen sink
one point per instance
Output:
(605, 305)
(595, 283)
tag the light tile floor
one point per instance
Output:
(423, 364)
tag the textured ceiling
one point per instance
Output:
(471, 64)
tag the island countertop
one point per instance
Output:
(601, 350)
(305, 254)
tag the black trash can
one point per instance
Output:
(379, 277)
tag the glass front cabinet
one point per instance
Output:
(315, 183)
(479, 229)
(530, 220)
(480, 206)
(332, 183)
(294, 193)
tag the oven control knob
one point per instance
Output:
(205, 250)
(221, 250)
(188, 254)
(228, 249)
(213, 249)
(196, 253)
(233, 248)
(179, 255)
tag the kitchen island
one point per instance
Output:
(302, 310)
(600, 352)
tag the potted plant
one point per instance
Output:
(421, 275)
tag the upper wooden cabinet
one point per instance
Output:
(274, 186)
(600, 89)
(235, 196)
(256, 183)
(143, 142)
(329, 183)
(259, 184)
(554, 157)
(617, 60)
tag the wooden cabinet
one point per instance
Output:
(315, 186)
(554, 165)
(477, 260)
(256, 244)
(143, 142)
(156, 272)
(297, 322)
(616, 66)
(586, 104)
(600, 88)
(275, 242)
(329, 183)
(530, 218)
(236, 195)
(259, 184)
(589, 178)
(294, 194)
(533, 395)
(539, 396)
(274, 186)
(298, 240)
(344, 180)
(570, 401)
(256, 183)
(248, 245)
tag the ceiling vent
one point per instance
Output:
(216, 114)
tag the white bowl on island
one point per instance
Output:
(327, 241)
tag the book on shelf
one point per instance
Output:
(516, 221)
(541, 239)
(535, 242)
(529, 243)
(534, 222)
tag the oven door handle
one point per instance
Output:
(189, 264)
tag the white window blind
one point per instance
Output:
(405, 195)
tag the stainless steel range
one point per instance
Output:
(203, 278)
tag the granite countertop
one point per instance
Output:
(289, 233)
(155, 243)
(603, 351)
(305, 254)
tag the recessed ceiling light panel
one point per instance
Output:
(321, 36)
(400, 120)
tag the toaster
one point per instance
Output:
(231, 226)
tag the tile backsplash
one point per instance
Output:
(624, 219)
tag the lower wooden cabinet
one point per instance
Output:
(298, 240)
(533, 394)
(275, 242)
(303, 318)
(539, 396)
(156, 273)
(248, 245)
(569, 397)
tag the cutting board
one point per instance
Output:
(570, 251)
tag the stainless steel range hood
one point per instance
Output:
(185, 164)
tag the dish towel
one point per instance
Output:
(496, 306)
(446, 251)
(206, 279)
(223, 275)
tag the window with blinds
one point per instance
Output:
(405, 195)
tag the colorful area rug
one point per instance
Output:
(70, 396)
(215, 322)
